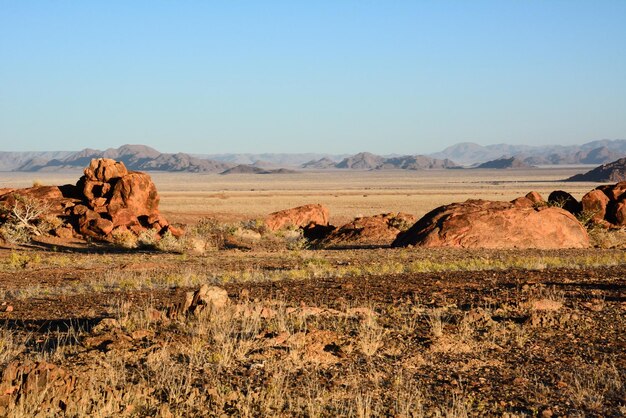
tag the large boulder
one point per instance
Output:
(594, 204)
(488, 224)
(564, 200)
(370, 230)
(298, 217)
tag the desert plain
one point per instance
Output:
(95, 329)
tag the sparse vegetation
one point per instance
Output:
(379, 332)
(22, 218)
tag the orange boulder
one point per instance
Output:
(487, 224)
(370, 230)
(298, 217)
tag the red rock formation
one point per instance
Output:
(606, 205)
(486, 224)
(117, 199)
(298, 217)
(108, 198)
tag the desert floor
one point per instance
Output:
(89, 329)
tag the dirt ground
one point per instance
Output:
(474, 340)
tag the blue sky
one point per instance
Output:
(320, 76)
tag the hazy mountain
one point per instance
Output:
(251, 169)
(10, 161)
(322, 163)
(135, 157)
(594, 152)
(369, 161)
(361, 161)
(504, 162)
(276, 159)
(141, 157)
(416, 162)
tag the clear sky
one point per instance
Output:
(317, 76)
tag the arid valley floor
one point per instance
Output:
(91, 329)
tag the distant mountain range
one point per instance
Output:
(144, 158)
(135, 157)
(595, 152)
(368, 161)
(271, 159)
(10, 161)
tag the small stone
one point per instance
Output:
(105, 325)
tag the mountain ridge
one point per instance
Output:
(145, 158)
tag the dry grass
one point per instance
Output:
(269, 358)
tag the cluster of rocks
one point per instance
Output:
(107, 200)
(26, 379)
(606, 205)
(313, 219)
(526, 222)
(115, 200)
(377, 230)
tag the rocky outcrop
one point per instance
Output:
(298, 217)
(106, 200)
(116, 200)
(488, 224)
(375, 230)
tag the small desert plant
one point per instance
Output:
(14, 234)
(296, 241)
(22, 219)
(9, 347)
(169, 243)
(558, 202)
(608, 238)
(371, 334)
(256, 225)
(400, 224)
(591, 387)
(210, 232)
(23, 260)
(436, 321)
(586, 218)
(125, 239)
(147, 238)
